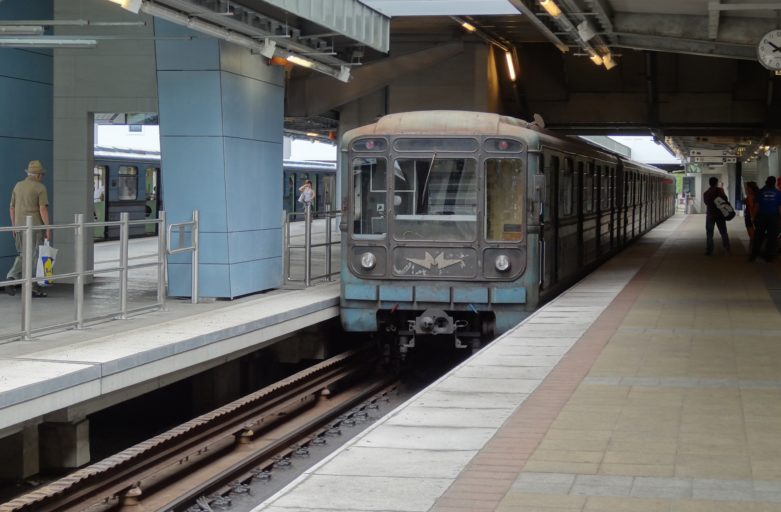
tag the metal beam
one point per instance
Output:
(713, 19)
(744, 7)
(685, 46)
(548, 33)
(348, 17)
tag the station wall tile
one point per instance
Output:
(213, 280)
(189, 103)
(194, 168)
(28, 101)
(244, 246)
(255, 276)
(252, 109)
(27, 65)
(237, 60)
(199, 53)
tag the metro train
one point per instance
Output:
(457, 225)
(130, 181)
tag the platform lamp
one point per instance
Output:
(551, 8)
(129, 5)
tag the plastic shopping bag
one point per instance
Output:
(46, 256)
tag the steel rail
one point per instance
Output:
(265, 458)
(116, 475)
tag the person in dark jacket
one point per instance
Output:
(713, 216)
(766, 220)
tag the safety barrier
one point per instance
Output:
(307, 246)
(80, 230)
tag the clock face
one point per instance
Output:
(769, 50)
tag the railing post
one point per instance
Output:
(194, 233)
(78, 288)
(123, 257)
(307, 244)
(327, 242)
(286, 246)
(27, 273)
(161, 259)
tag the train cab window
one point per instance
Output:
(369, 198)
(588, 188)
(435, 198)
(566, 189)
(127, 183)
(504, 200)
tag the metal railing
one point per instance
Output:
(288, 247)
(192, 248)
(80, 230)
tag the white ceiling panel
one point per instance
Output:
(441, 7)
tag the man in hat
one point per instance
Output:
(29, 197)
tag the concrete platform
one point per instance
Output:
(652, 385)
(114, 360)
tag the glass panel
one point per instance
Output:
(588, 189)
(99, 184)
(566, 186)
(420, 144)
(504, 199)
(436, 198)
(127, 183)
(369, 197)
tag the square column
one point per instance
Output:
(221, 120)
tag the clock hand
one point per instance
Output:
(775, 48)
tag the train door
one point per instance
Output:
(152, 192)
(550, 220)
(99, 200)
(329, 191)
(580, 197)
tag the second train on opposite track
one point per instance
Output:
(457, 225)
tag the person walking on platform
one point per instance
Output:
(750, 210)
(29, 197)
(714, 217)
(766, 220)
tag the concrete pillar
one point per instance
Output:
(64, 445)
(221, 120)
(26, 79)
(19, 454)
(117, 76)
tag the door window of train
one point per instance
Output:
(435, 198)
(504, 199)
(566, 189)
(99, 184)
(127, 183)
(369, 196)
(588, 188)
(604, 187)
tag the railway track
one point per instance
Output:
(219, 452)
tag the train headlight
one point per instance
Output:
(368, 261)
(502, 263)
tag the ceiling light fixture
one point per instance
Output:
(551, 8)
(46, 42)
(129, 5)
(21, 30)
(295, 59)
(596, 59)
(508, 56)
(608, 62)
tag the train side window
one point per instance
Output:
(127, 183)
(566, 188)
(369, 220)
(588, 188)
(504, 193)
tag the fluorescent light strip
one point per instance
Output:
(21, 30)
(508, 56)
(46, 42)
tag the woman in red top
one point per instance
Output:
(750, 211)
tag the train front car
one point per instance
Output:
(436, 244)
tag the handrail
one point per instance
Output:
(307, 246)
(192, 248)
(80, 229)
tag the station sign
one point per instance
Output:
(711, 153)
(714, 159)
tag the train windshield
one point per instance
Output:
(504, 199)
(435, 198)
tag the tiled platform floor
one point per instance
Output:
(668, 400)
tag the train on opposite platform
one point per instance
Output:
(126, 180)
(457, 225)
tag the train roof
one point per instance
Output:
(462, 122)
(309, 165)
